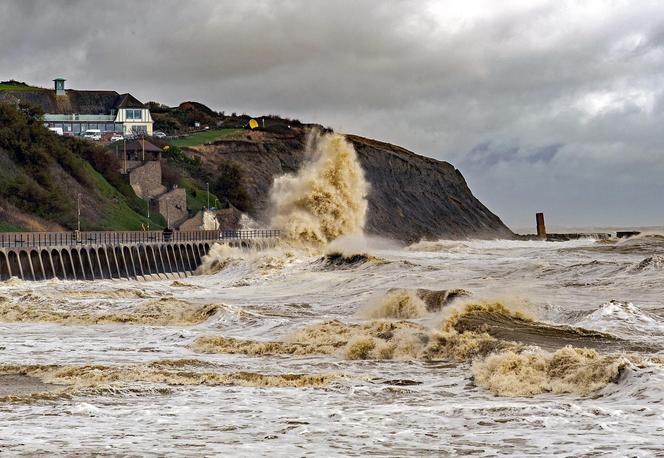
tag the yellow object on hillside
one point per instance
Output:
(253, 123)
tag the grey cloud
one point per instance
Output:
(547, 103)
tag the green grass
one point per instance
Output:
(8, 227)
(197, 197)
(206, 136)
(118, 215)
(16, 87)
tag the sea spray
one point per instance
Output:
(254, 260)
(326, 198)
(399, 304)
(218, 258)
(506, 367)
(568, 370)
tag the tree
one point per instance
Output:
(229, 183)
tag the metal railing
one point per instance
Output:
(45, 239)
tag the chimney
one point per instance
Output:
(59, 86)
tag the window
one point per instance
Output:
(133, 114)
(139, 130)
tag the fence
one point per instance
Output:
(73, 239)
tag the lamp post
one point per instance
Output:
(149, 213)
(168, 214)
(78, 212)
(207, 185)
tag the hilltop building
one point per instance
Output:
(77, 111)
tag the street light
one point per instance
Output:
(207, 185)
(78, 206)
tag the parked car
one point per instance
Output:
(57, 130)
(116, 137)
(92, 134)
(159, 134)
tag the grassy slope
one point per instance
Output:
(117, 214)
(16, 87)
(41, 173)
(9, 227)
(206, 136)
(197, 196)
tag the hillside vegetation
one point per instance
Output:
(13, 85)
(42, 175)
(205, 136)
(411, 197)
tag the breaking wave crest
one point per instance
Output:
(568, 370)
(655, 262)
(625, 319)
(399, 304)
(326, 198)
(157, 312)
(511, 353)
(218, 258)
(330, 338)
(501, 322)
(339, 261)
(251, 260)
(62, 381)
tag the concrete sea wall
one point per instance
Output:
(104, 262)
(115, 255)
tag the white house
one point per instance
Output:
(77, 111)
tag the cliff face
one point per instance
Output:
(414, 197)
(411, 197)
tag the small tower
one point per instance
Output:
(59, 86)
(541, 228)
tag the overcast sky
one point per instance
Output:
(554, 106)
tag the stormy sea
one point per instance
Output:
(336, 343)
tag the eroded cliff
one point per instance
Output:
(411, 197)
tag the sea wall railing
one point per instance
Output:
(73, 239)
(116, 255)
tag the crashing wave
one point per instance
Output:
(568, 370)
(511, 353)
(650, 263)
(623, 318)
(339, 261)
(388, 339)
(326, 198)
(398, 304)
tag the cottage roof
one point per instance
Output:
(74, 101)
(129, 101)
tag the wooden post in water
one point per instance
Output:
(541, 229)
